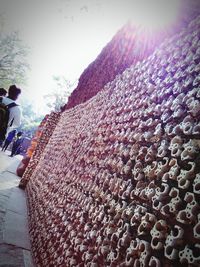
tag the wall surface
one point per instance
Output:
(118, 183)
(130, 45)
(38, 144)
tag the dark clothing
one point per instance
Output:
(8, 140)
(16, 147)
(11, 135)
(6, 144)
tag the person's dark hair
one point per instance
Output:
(3, 92)
(13, 92)
(19, 134)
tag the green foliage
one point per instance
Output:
(13, 60)
(58, 97)
(30, 120)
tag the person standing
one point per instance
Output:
(10, 112)
(17, 145)
(9, 139)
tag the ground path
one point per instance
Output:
(14, 236)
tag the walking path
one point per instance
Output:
(14, 237)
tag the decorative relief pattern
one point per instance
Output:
(118, 184)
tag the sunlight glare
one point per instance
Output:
(155, 14)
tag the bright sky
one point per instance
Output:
(65, 36)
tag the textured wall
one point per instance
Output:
(118, 184)
(39, 142)
(130, 45)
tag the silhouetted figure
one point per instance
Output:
(9, 139)
(10, 113)
(17, 145)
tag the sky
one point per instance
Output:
(65, 36)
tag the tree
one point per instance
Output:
(30, 120)
(58, 97)
(13, 60)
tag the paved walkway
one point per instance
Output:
(14, 236)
